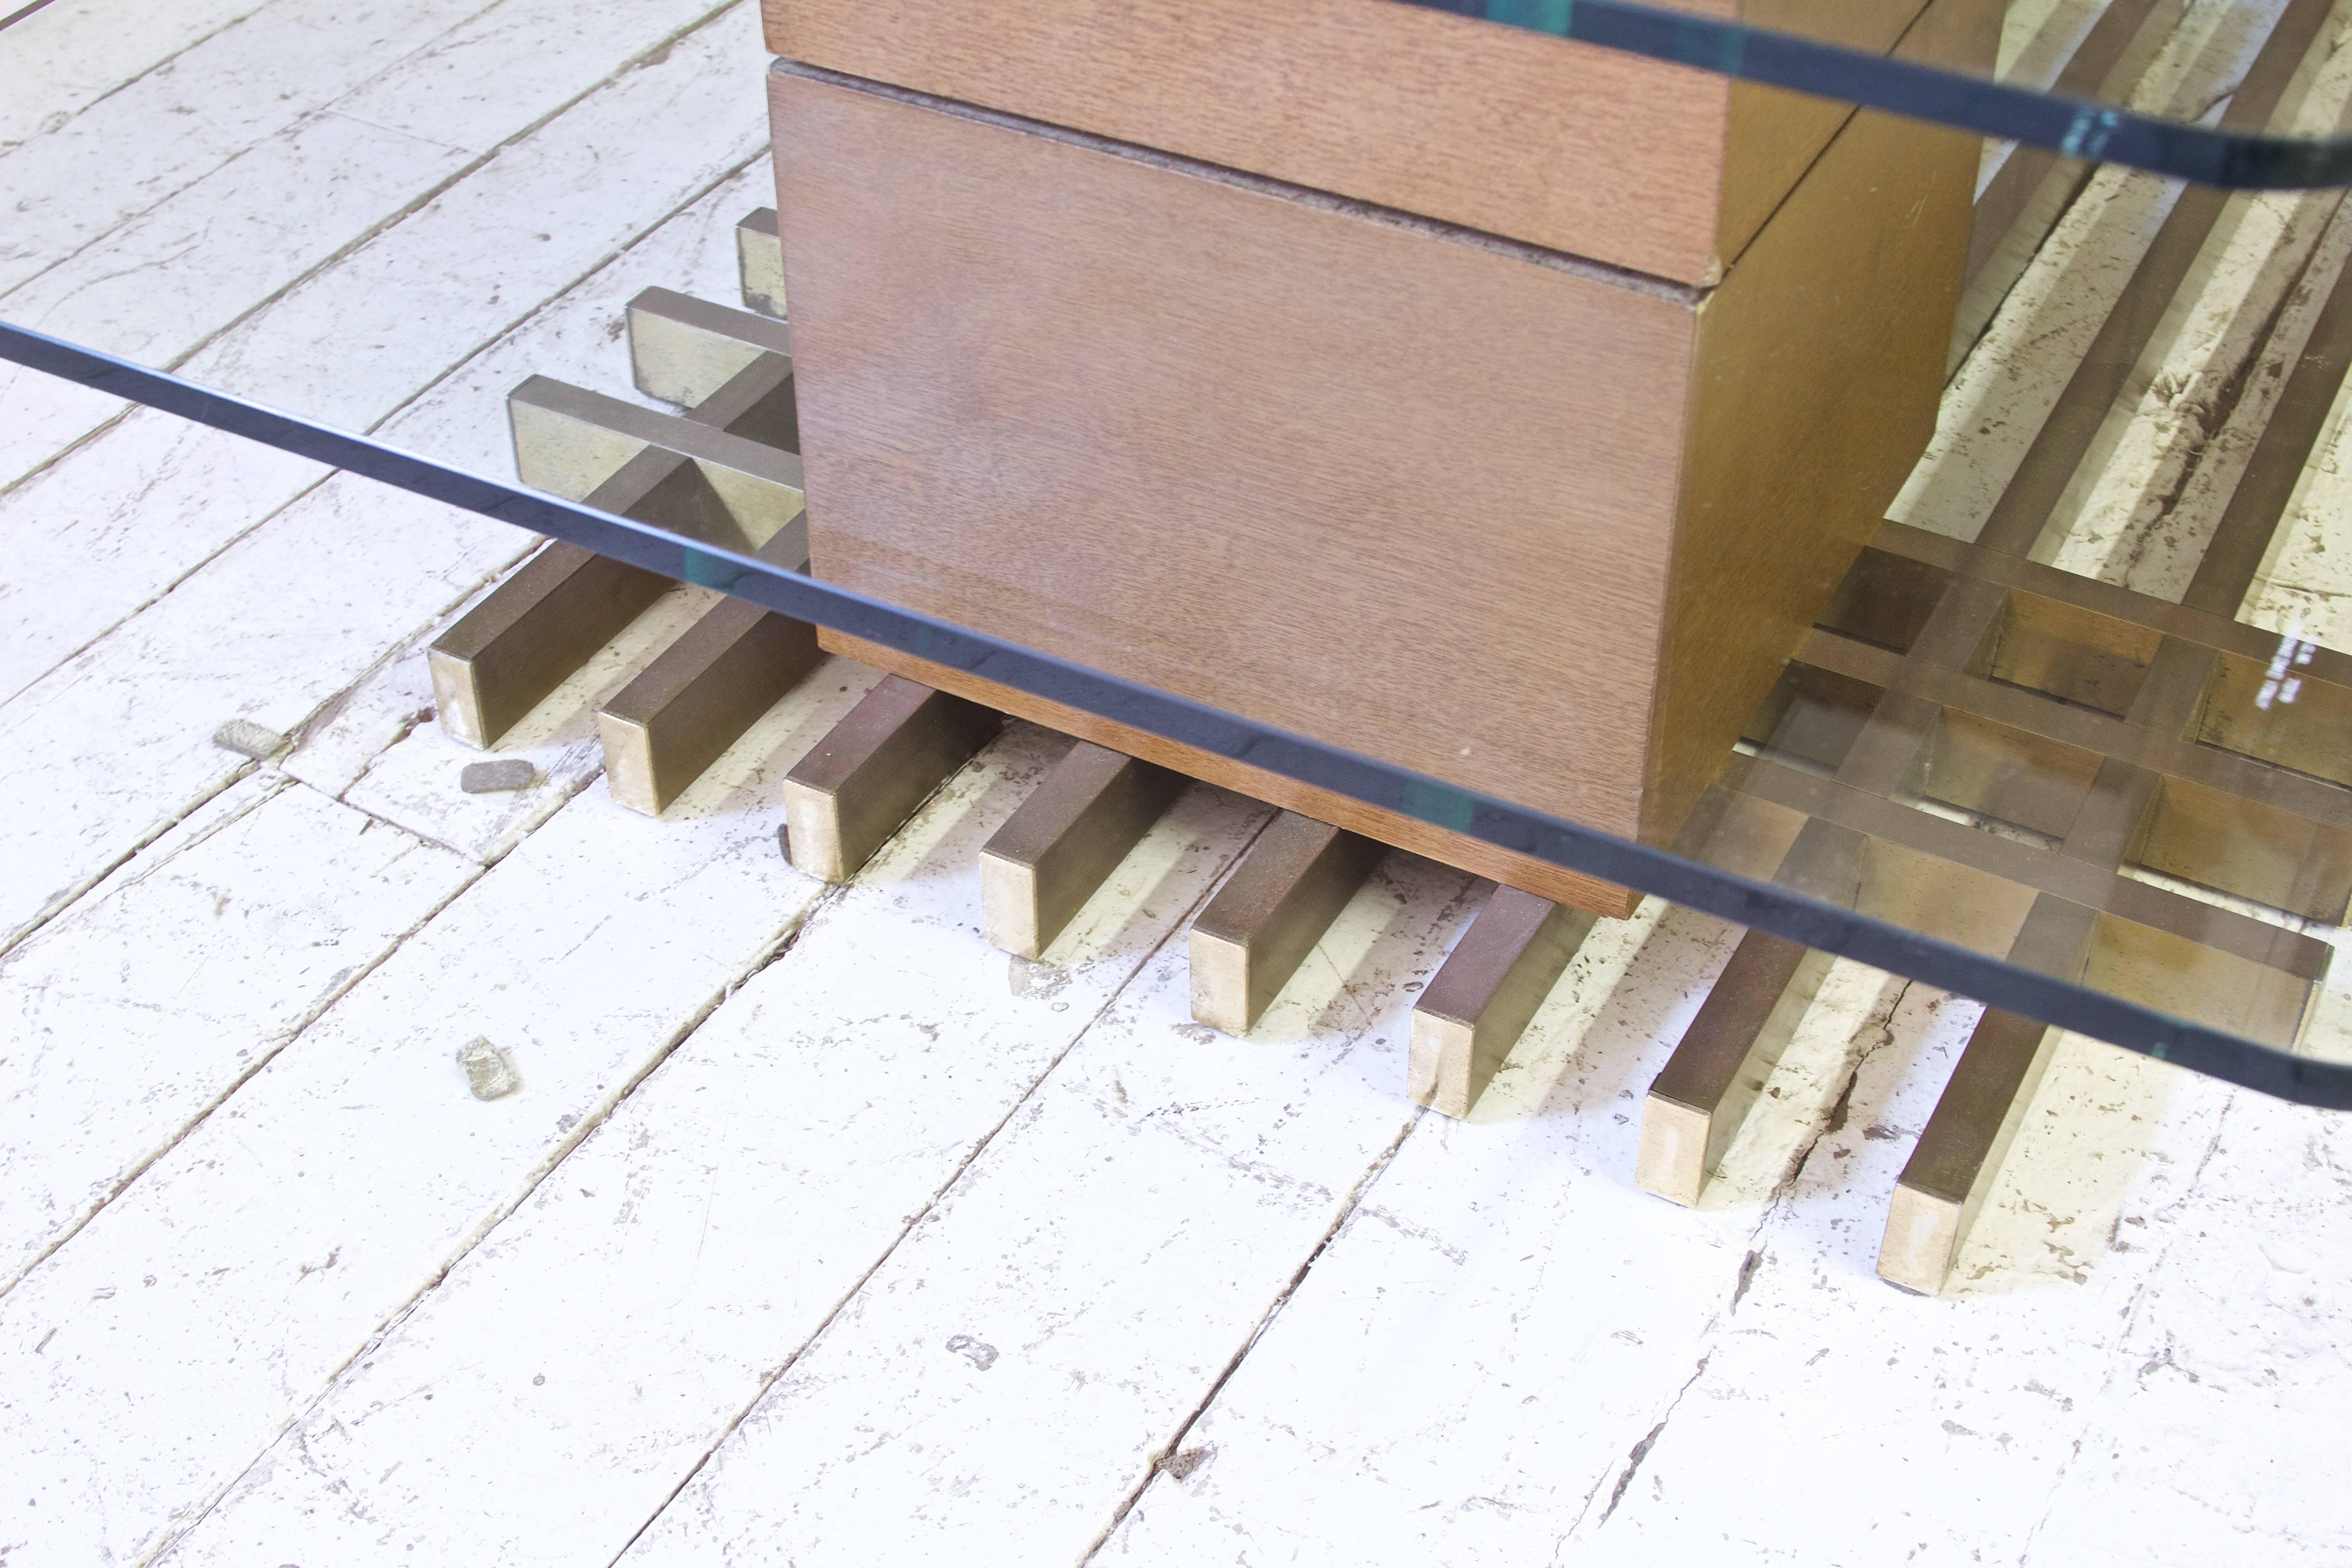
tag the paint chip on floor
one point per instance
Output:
(247, 739)
(487, 778)
(490, 1071)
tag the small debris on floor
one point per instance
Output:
(982, 1356)
(490, 1072)
(488, 778)
(247, 739)
(1182, 1465)
(785, 838)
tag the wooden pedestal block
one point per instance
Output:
(1504, 130)
(1539, 526)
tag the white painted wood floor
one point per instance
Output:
(820, 1233)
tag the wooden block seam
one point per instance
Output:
(1674, 170)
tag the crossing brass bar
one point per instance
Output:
(525, 638)
(1959, 1156)
(682, 350)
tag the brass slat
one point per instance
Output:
(1484, 994)
(2058, 448)
(858, 785)
(1266, 920)
(1046, 861)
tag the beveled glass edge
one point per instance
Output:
(2075, 127)
(1726, 895)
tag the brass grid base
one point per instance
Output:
(1970, 743)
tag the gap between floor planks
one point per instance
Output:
(205, 335)
(887, 1007)
(587, 994)
(679, 248)
(422, 417)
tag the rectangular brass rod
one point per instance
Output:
(2102, 598)
(525, 638)
(859, 785)
(664, 729)
(1959, 1156)
(1953, 630)
(1882, 755)
(1700, 1098)
(2174, 686)
(759, 402)
(1697, 1104)
(2058, 448)
(668, 724)
(2234, 554)
(759, 262)
(1410, 834)
(2046, 870)
(536, 628)
(2034, 187)
(1046, 861)
(2132, 815)
(2318, 800)
(682, 349)
(700, 695)
(1269, 915)
(2293, 852)
(1698, 1101)
(2136, 816)
(568, 436)
(2113, 812)
(1483, 997)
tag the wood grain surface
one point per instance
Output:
(1649, 167)
(1414, 496)
(1411, 496)
(1817, 367)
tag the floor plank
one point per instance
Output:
(1015, 1369)
(470, 264)
(2220, 1387)
(154, 498)
(2177, 443)
(1998, 401)
(1461, 1363)
(73, 53)
(106, 751)
(716, 1223)
(438, 271)
(218, 100)
(1958, 1456)
(128, 1019)
(286, 1229)
(95, 538)
(149, 763)
(412, 782)
(1504, 1354)
(169, 278)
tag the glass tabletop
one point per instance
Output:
(2075, 714)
